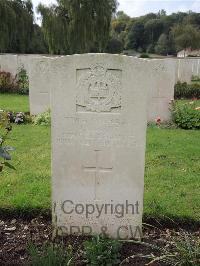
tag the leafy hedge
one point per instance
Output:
(5, 128)
(18, 84)
(8, 83)
(187, 91)
(143, 55)
(187, 115)
(195, 78)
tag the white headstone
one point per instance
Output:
(188, 67)
(162, 78)
(36, 67)
(39, 86)
(98, 135)
(9, 63)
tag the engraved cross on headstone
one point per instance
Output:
(97, 169)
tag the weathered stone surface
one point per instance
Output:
(161, 76)
(9, 63)
(186, 68)
(158, 105)
(98, 135)
(39, 84)
(37, 70)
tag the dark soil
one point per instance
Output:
(17, 233)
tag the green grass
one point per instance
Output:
(29, 185)
(197, 102)
(171, 179)
(172, 173)
(14, 102)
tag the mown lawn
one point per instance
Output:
(20, 103)
(171, 179)
(172, 175)
(29, 185)
(14, 102)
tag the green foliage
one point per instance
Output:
(187, 115)
(18, 84)
(143, 55)
(38, 44)
(7, 83)
(5, 129)
(43, 119)
(150, 49)
(119, 26)
(186, 36)
(162, 46)
(81, 26)
(16, 25)
(135, 37)
(102, 251)
(153, 29)
(114, 46)
(23, 81)
(158, 32)
(52, 255)
(54, 27)
(187, 91)
(195, 78)
(72, 27)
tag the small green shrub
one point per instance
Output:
(23, 82)
(7, 83)
(195, 78)
(5, 128)
(43, 119)
(186, 91)
(18, 84)
(143, 55)
(102, 251)
(51, 255)
(186, 116)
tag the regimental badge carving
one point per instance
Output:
(99, 90)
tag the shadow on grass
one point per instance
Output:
(159, 221)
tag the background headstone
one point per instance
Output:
(161, 82)
(39, 84)
(186, 68)
(9, 63)
(36, 67)
(162, 78)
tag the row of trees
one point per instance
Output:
(18, 32)
(157, 33)
(78, 26)
(16, 25)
